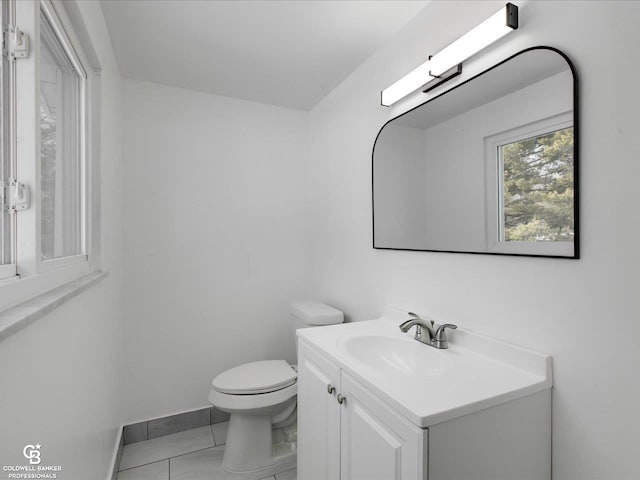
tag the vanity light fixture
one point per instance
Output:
(447, 63)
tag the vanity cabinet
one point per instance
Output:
(352, 423)
(345, 432)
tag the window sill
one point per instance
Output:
(16, 318)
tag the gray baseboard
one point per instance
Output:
(159, 427)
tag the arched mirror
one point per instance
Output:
(489, 166)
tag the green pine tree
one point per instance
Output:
(538, 188)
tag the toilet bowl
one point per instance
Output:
(261, 400)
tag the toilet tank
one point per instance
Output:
(313, 314)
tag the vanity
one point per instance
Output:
(374, 403)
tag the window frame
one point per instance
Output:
(494, 179)
(34, 276)
(76, 55)
(8, 267)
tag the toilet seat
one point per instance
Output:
(255, 378)
(241, 403)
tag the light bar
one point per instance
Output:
(489, 31)
(439, 67)
(411, 82)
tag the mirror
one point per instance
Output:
(489, 166)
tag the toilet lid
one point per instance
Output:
(256, 377)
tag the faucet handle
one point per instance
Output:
(440, 339)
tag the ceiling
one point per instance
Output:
(290, 53)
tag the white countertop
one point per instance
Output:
(474, 373)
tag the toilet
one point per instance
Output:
(261, 400)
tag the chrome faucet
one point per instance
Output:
(426, 332)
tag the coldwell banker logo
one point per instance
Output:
(33, 470)
(32, 452)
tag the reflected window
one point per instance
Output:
(530, 188)
(537, 188)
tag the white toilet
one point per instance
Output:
(261, 398)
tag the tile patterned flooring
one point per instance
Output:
(190, 455)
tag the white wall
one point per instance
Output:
(60, 377)
(584, 312)
(214, 240)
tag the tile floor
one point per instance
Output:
(191, 455)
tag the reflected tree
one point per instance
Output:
(538, 188)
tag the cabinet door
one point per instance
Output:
(318, 417)
(376, 442)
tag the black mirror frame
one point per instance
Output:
(576, 157)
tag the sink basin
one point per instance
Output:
(427, 385)
(399, 355)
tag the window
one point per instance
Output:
(61, 139)
(530, 184)
(47, 241)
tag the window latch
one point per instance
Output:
(15, 43)
(17, 196)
